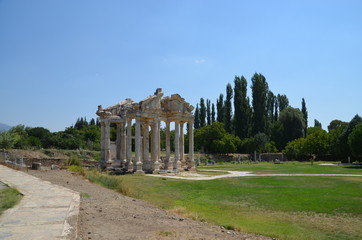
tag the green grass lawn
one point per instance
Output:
(281, 207)
(288, 167)
(8, 198)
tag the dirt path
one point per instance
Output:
(105, 214)
(196, 176)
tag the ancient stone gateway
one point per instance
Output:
(147, 116)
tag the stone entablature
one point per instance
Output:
(147, 115)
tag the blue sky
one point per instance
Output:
(59, 60)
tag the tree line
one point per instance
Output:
(264, 123)
(82, 134)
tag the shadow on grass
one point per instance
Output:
(359, 166)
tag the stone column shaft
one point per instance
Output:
(155, 146)
(182, 145)
(123, 145)
(118, 142)
(146, 149)
(138, 162)
(191, 165)
(103, 154)
(107, 142)
(129, 144)
(177, 163)
(159, 141)
(168, 147)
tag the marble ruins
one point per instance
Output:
(147, 116)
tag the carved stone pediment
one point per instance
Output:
(152, 103)
(176, 104)
(152, 107)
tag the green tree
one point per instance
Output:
(197, 117)
(277, 135)
(92, 122)
(295, 150)
(261, 140)
(241, 107)
(355, 142)
(212, 113)
(317, 123)
(92, 137)
(283, 102)
(343, 148)
(21, 135)
(335, 132)
(228, 109)
(247, 145)
(317, 142)
(206, 135)
(208, 112)
(214, 139)
(42, 134)
(202, 113)
(7, 139)
(305, 116)
(260, 90)
(271, 99)
(336, 124)
(220, 108)
(276, 113)
(293, 124)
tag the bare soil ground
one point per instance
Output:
(105, 214)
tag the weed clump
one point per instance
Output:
(73, 161)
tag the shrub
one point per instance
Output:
(73, 161)
(77, 169)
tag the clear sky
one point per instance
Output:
(60, 59)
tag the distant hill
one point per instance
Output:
(4, 127)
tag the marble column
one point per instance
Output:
(168, 147)
(182, 146)
(146, 149)
(117, 162)
(155, 144)
(177, 163)
(107, 142)
(151, 150)
(103, 155)
(123, 145)
(191, 163)
(129, 145)
(159, 142)
(138, 162)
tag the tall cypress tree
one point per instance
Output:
(220, 108)
(270, 106)
(276, 106)
(212, 113)
(228, 109)
(283, 102)
(197, 117)
(305, 116)
(202, 113)
(241, 107)
(260, 91)
(208, 112)
(317, 123)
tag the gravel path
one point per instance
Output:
(105, 214)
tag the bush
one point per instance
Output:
(73, 161)
(113, 182)
(77, 169)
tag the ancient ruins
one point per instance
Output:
(147, 116)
